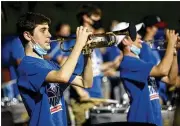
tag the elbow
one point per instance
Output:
(63, 79)
(164, 72)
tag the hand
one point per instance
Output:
(82, 34)
(171, 37)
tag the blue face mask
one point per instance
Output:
(39, 49)
(135, 50)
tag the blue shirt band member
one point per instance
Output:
(44, 101)
(135, 77)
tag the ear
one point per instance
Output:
(27, 36)
(126, 42)
(148, 29)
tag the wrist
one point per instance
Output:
(78, 45)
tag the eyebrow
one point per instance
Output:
(44, 28)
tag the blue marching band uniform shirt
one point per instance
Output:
(44, 101)
(152, 55)
(144, 98)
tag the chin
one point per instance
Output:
(140, 46)
(48, 48)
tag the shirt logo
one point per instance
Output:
(54, 94)
(153, 94)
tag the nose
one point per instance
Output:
(49, 35)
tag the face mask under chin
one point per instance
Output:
(135, 50)
(38, 49)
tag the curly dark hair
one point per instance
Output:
(28, 22)
(87, 9)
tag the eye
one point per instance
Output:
(43, 30)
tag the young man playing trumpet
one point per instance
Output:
(41, 82)
(136, 74)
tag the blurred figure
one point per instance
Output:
(153, 27)
(55, 53)
(88, 16)
(12, 54)
(63, 29)
(113, 24)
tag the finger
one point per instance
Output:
(177, 34)
(81, 28)
(85, 29)
(77, 31)
(167, 31)
(170, 31)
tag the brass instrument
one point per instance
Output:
(98, 41)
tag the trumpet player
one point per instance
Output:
(152, 24)
(41, 82)
(136, 74)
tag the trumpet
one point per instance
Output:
(98, 41)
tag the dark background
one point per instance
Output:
(65, 11)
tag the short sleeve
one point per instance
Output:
(136, 70)
(17, 49)
(145, 53)
(36, 74)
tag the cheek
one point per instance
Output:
(40, 38)
(155, 30)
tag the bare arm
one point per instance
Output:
(78, 87)
(163, 68)
(63, 75)
(112, 64)
(171, 78)
(88, 73)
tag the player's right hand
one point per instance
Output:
(82, 34)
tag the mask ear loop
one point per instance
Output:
(31, 42)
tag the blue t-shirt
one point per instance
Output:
(151, 55)
(44, 101)
(135, 77)
(111, 53)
